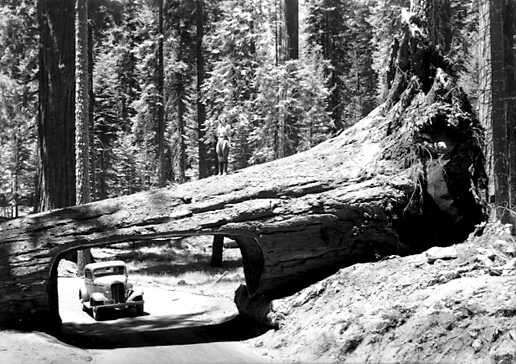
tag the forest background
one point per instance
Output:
(285, 75)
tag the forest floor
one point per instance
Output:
(448, 305)
(453, 304)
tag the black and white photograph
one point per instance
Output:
(257, 181)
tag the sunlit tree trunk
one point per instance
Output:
(91, 99)
(82, 116)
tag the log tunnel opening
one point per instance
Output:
(244, 255)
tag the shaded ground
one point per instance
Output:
(419, 308)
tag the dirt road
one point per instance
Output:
(179, 327)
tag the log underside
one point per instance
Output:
(406, 177)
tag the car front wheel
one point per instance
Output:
(97, 313)
(139, 310)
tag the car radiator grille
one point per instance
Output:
(118, 292)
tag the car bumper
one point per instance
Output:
(125, 305)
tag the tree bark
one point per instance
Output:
(509, 26)
(492, 107)
(82, 104)
(91, 110)
(163, 172)
(82, 117)
(291, 9)
(201, 111)
(56, 182)
(217, 249)
(180, 107)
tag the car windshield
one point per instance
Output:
(109, 271)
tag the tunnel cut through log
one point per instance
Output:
(252, 261)
(408, 176)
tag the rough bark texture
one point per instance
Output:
(56, 183)
(406, 177)
(201, 110)
(82, 117)
(82, 104)
(180, 148)
(491, 106)
(509, 26)
(163, 167)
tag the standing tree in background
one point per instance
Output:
(385, 20)
(291, 8)
(509, 25)
(163, 166)
(82, 103)
(82, 117)
(286, 34)
(56, 182)
(491, 105)
(182, 20)
(201, 110)
(180, 105)
(327, 28)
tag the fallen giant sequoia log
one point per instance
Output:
(406, 177)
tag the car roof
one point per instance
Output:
(111, 263)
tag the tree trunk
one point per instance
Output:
(509, 27)
(56, 182)
(160, 114)
(289, 50)
(91, 110)
(201, 111)
(291, 8)
(492, 105)
(436, 17)
(82, 117)
(180, 107)
(82, 104)
(217, 249)
(16, 172)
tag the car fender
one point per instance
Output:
(99, 297)
(134, 294)
(83, 294)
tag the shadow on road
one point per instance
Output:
(157, 331)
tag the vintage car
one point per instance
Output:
(106, 287)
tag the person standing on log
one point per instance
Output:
(222, 147)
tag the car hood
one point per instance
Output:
(109, 280)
